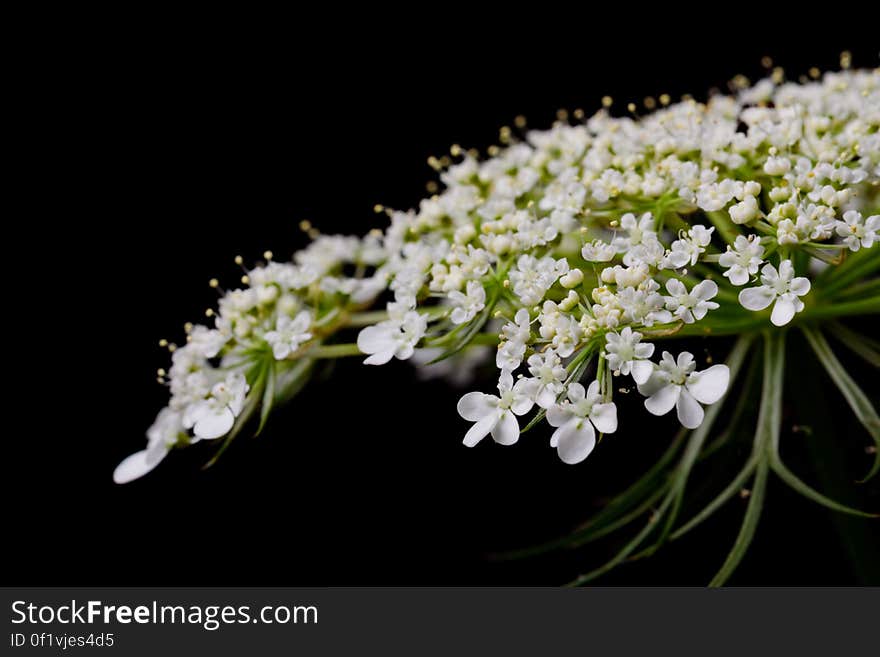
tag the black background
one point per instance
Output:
(162, 153)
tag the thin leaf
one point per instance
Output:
(856, 266)
(739, 413)
(747, 530)
(628, 549)
(855, 397)
(612, 511)
(769, 419)
(291, 382)
(268, 396)
(860, 344)
(625, 500)
(864, 306)
(832, 258)
(869, 288)
(734, 362)
(792, 480)
(625, 519)
(732, 488)
(472, 329)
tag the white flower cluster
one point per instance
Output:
(591, 240)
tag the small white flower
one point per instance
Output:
(496, 415)
(575, 419)
(688, 249)
(161, 437)
(516, 335)
(781, 287)
(627, 354)
(777, 166)
(532, 277)
(549, 374)
(743, 260)
(567, 333)
(714, 196)
(207, 342)
(467, 305)
(598, 251)
(289, 334)
(693, 305)
(676, 383)
(572, 279)
(744, 211)
(394, 338)
(213, 417)
(638, 231)
(856, 233)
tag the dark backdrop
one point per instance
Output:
(167, 153)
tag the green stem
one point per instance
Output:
(856, 398)
(769, 420)
(333, 351)
(357, 320)
(725, 227)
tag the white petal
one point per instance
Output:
(783, 311)
(558, 415)
(756, 298)
(709, 385)
(705, 290)
(213, 425)
(137, 465)
(522, 404)
(574, 441)
(655, 381)
(690, 413)
(800, 285)
(506, 431)
(374, 339)
(480, 430)
(786, 270)
(545, 398)
(604, 417)
(642, 370)
(474, 406)
(661, 402)
(381, 357)
(769, 273)
(738, 275)
(676, 287)
(644, 350)
(576, 392)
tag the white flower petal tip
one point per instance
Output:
(641, 371)
(689, 411)
(709, 385)
(574, 441)
(783, 312)
(137, 465)
(663, 401)
(756, 298)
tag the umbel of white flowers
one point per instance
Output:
(573, 250)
